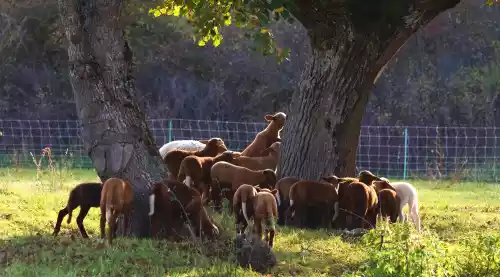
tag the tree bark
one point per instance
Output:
(349, 50)
(114, 129)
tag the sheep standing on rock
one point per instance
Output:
(231, 177)
(86, 195)
(116, 199)
(266, 137)
(173, 158)
(407, 194)
(268, 159)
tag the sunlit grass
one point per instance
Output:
(28, 210)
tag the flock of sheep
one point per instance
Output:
(205, 171)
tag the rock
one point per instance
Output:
(254, 252)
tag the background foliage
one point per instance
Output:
(447, 74)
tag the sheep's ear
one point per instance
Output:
(274, 191)
(269, 117)
(331, 179)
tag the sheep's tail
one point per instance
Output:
(291, 208)
(151, 204)
(278, 198)
(70, 204)
(188, 181)
(244, 209)
(110, 202)
(336, 210)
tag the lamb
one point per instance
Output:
(266, 137)
(305, 193)
(116, 199)
(268, 159)
(243, 197)
(265, 212)
(172, 200)
(360, 201)
(173, 159)
(407, 194)
(231, 177)
(187, 145)
(388, 202)
(85, 195)
(195, 171)
(282, 196)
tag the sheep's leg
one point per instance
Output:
(271, 237)
(60, 216)
(79, 220)
(112, 227)
(402, 203)
(102, 223)
(126, 219)
(154, 225)
(257, 227)
(244, 209)
(414, 214)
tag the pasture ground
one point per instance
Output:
(461, 226)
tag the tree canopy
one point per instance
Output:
(255, 17)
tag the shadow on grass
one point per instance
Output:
(44, 255)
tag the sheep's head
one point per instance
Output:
(215, 145)
(278, 118)
(273, 149)
(331, 179)
(270, 178)
(367, 177)
(380, 185)
(226, 156)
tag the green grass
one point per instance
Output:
(451, 215)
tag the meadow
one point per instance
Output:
(461, 237)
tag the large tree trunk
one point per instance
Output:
(114, 128)
(351, 43)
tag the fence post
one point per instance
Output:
(169, 130)
(405, 168)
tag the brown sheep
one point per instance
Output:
(181, 200)
(173, 158)
(361, 204)
(266, 137)
(195, 171)
(306, 193)
(230, 177)
(243, 206)
(116, 199)
(86, 195)
(282, 196)
(265, 213)
(388, 204)
(268, 159)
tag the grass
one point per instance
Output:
(451, 215)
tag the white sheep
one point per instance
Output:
(407, 194)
